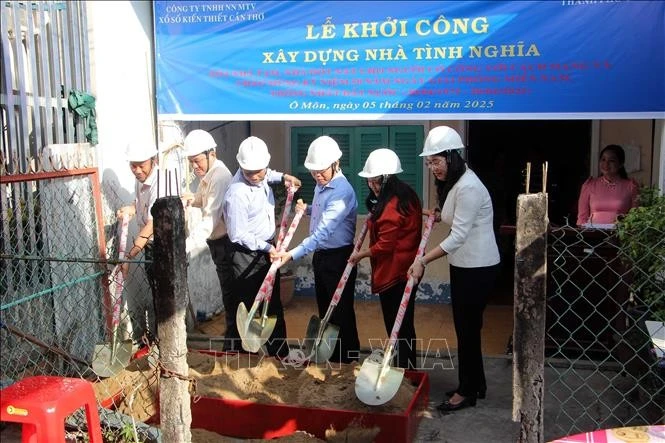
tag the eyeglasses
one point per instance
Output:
(434, 163)
(321, 172)
(374, 180)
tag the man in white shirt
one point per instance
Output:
(209, 197)
(142, 159)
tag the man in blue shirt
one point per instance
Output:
(249, 213)
(331, 231)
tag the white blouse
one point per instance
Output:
(468, 210)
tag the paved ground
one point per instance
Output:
(489, 421)
(578, 398)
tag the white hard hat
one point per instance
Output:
(323, 152)
(198, 141)
(139, 152)
(440, 139)
(382, 161)
(253, 154)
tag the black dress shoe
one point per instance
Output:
(446, 406)
(481, 394)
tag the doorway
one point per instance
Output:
(499, 151)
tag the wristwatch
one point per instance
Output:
(422, 262)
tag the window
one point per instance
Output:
(356, 143)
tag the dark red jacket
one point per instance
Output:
(394, 240)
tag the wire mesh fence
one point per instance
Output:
(608, 370)
(59, 287)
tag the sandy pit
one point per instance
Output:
(266, 380)
(257, 379)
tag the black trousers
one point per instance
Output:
(217, 249)
(390, 299)
(242, 273)
(328, 267)
(469, 290)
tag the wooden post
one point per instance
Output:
(171, 301)
(529, 312)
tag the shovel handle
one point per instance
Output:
(337, 295)
(265, 291)
(409, 285)
(285, 215)
(124, 228)
(118, 278)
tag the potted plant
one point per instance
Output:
(641, 235)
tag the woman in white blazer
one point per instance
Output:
(472, 253)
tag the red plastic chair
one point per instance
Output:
(42, 403)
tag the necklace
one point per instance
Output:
(608, 182)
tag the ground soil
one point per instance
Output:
(253, 378)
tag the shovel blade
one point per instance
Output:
(109, 360)
(375, 387)
(242, 320)
(252, 332)
(322, 351)
(258, 333)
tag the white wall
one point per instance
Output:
(120, 34)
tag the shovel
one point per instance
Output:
(110, 359)
(377, 381)
(254, 332)
(320, 335)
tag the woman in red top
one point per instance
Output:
(394, 228)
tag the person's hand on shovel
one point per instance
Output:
(435, 211)
(129, 211)
(301, 205)
(285, 256)
(282, 257)
(290, 180)
(417, 269)
(273, 254)
(359, 255)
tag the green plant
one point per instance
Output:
(641, 234)
(126, 434)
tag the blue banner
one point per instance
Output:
(341, 60)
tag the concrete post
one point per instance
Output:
(530, 306)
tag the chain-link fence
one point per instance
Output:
(59, 290)
(603, 285)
